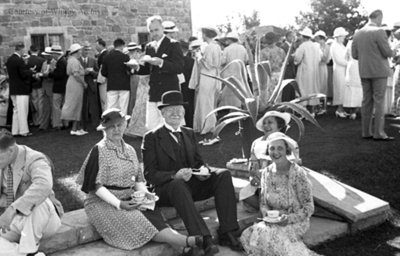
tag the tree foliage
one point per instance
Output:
(240, 22)
(327, 15)
(251, 21)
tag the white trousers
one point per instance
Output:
(118, 99)
(26, 231)
(103, 96)
(20, 114)
(154, 117)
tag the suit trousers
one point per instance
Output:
(103, 96)
(374, 90)
(182, 195)
(58, 101)
(20, 114)
(118, 99)
(26, 231)
(47, 86)
(37, 102)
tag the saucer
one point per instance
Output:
(271, 220)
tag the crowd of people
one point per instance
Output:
(123, 199)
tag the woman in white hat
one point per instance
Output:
(272, 121)
(286, 205)
(307, 57)
(338, 53)
(320, 37)
(72, 108)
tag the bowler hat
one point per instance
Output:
(110, 117)
(171, 98)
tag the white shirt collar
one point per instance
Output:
(16, 53)
(169, 127)
(158, 43)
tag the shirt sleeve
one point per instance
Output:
(90, 171)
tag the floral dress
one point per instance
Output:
(291, 194)
(113, 167)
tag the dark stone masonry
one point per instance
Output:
(47, 22)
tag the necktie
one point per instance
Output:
(10, 186)
(178, 136)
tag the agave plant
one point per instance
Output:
(260, 73)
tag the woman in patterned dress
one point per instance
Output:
(286, 188)
(108, 175)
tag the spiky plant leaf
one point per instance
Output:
(284, 83)
(300, 125)
(252, 107)
(302, 111)
(224, 123)
(252, 72)
(232, 114)
(309, 97)
(240, 86)
(226, 108)
(233, 87)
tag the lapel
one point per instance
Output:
(18, 167)
(165, 142)
(163, 46)
(188, 145)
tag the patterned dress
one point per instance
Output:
(291, 195)
(115, 168)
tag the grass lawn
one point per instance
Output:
(337, 151)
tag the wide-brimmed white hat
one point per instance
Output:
(340, 31)
(281, 136)
(133, 46)
(285, 116)
(320, 33)
(56, 49)
(306, 32)
(169, 26)
(232, 35)
(47, 51)
(74, 48)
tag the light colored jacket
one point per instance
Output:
(33, 182)
(371, 48)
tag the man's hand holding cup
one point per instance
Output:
(184, 174)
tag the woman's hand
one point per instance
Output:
(284, 220)
(128, 205)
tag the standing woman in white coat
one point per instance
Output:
(338, 53)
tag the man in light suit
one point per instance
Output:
(28, 208)
(164, 64)
(372, 50)
(170, 157)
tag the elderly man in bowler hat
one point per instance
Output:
(174, 166)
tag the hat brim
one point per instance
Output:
(167, 30)
(285, 116)
(102, 127)
(134, 48)
(172, 104)
(291, 142)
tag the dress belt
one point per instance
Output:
(116, 187)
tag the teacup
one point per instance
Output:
(273, 214)
(138, 196)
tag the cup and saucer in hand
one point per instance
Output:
(202, 171)
(272, 217)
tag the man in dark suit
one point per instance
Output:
(60, 78)
(35, 62)
(90, 107)
(118, 77)
(163, 61)
(101, 80)
(20, 87)
(288, 93)
(188, 94)
(371, 48)
(171, 160)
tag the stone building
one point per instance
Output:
(47, 22)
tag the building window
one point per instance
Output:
(143, 37)
(43, 40)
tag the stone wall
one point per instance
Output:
(85, 20)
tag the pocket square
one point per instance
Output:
(164, 55)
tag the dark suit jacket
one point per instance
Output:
(19, 76)
(290, 72)
(159, 158)
(116, 72)
(100, 58)
(89, 78)
(372, 50)
(37, 61)
(165, 78)
(60, 76)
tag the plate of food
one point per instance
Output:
(238, 160)
(202, 171)
(271, 220)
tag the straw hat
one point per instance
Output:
(340, 31)
(212, 31)
(47, 51)
(306, 32)
(133, 46)
(281, 136)
(110, 117)
(232, 35)
(285, 116)
(169, 27)
(56, 49)
(320, 33)
(194, 44)
(74, 48)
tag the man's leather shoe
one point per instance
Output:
(228, 239)
(209, 247)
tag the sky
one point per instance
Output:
(274, 12)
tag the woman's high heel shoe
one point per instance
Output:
(353, 116)
(340, 114)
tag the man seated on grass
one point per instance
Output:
(173, 164)
(28, 208)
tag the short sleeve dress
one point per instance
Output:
(113, 167)
(292, 195)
